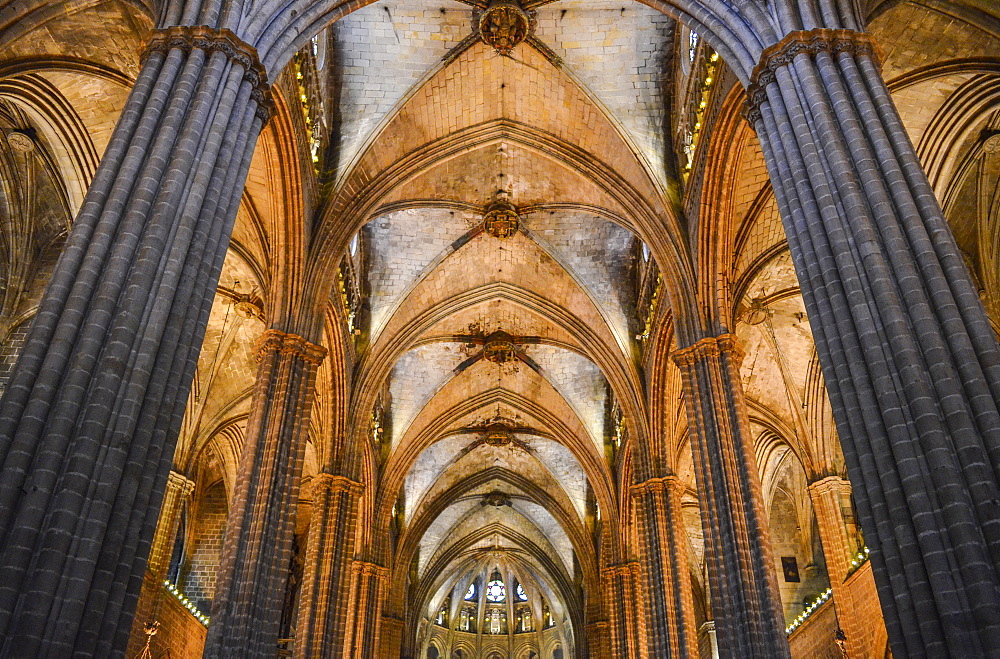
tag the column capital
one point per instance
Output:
(710, 346)
(830, 484)
(221, 40)
(624, 569)
(335, 483)
(796, 43)
(657, 484)
(274, 340)
(370, 569)
(181, 483)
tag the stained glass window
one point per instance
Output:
(471, 594)
(521, 595)
(495, 591)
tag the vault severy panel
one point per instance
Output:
(416, 376)
(492, 519)
(599, 253)
(383, 51)
(579, 381)
(622, 53)
(479, 89)
(400, 246)
(546, 462)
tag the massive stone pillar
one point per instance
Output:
(177, 493)
(626, 615)
(326, 582)
(671, 629)
(246, 611)
(365, 609)
(89, 421)
(910, 360)
(741, 575)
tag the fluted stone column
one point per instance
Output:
(391, 636)
(829, 495)
(909, 357)
(246, 611)
(741, 575)
(89, 421)
(178, 492)
(671, 628)
(326, 582)
(598, 640)
(626, 613)
(365, 609)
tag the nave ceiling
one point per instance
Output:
(494, 393)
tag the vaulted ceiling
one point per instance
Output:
(493, 460)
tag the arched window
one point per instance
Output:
(471, 593)
(521, 595)
(432, 653)
(693, 39)
(495, 590)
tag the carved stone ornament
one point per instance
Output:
(248, 308)
(497, 435)
(504, 25)
(210, 40)
(756, 313)
(496, 498)
(991, 145)
(499, 348)
(20, 140)
(501, 219)
(794, 44)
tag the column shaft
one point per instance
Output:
(737, 547)
(598, 641)
(177, 493)
(624, 602)
(246, 611)
(89, 422)
(365, 609)
(910, 360)
(828, 496)
(670, 602)
(326, 582)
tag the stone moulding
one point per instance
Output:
(796, 43)
(274, 340)
(336, 483)
(370, 569)
(710, 346)
(225, 41)
(657, 484)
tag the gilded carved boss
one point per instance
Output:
(504, 25)
(501, 219)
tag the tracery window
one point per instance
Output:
(495, 591)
